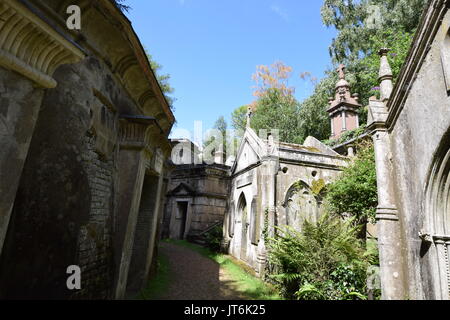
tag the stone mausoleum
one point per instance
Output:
(84, 141)
(274, 184)
(197, 195)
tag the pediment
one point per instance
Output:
(250, 151)
(182, 190)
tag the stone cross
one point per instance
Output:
(341, 71)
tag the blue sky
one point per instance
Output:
(211, 49)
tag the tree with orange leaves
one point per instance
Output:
(275, 76)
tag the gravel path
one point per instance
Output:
(194, 277)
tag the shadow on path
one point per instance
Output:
(194, 277)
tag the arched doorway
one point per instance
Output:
(243, 214)
(437, 212)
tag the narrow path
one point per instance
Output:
(194, 277)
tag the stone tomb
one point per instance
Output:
(274, 184)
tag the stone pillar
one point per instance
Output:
(132, 166)
(154, 227)
(393, 284)
(22, 84)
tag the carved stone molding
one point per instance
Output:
(133, 131)
(387, 213)
(30, 46)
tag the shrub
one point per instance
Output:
(324, 262)
(355, 192)
(214, 238)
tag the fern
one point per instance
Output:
(325, 261)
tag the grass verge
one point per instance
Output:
(160, 283)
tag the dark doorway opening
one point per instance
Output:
(182, 209)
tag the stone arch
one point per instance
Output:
(254, 222)
(300, 204)
(242, 210)
(437, 214)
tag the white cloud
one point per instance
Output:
(280, 12)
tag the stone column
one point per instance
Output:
(22, 85)
(132, 166)
(388, 225)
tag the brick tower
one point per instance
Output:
(343, 110)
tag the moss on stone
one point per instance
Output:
(318, 186)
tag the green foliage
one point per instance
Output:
(163, 80)
(325, 261)
(239, 118)
(214, 238)
(355, 192)
(159, 284)
(275, 110)
(357, 21)
(346, 136)
(121, 6)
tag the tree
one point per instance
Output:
(358, 21)
(211, 145)
(275, 107)
(163, 80)
(121, 6)
(275, 110)
(313, 118)
(239, 118)
(275, 76)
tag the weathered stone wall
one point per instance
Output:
(418, 132)
(77, 200)
(410, 127)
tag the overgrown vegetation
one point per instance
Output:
(330, 259)
(214, 238)
(346, 136)
(163, 80)
(355, 192)
(325, 262)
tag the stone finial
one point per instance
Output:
(341, 71)
(249, 116)
(385, 75)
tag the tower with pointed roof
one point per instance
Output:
(344, 108)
